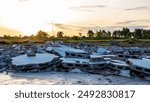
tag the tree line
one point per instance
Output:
(125, 33)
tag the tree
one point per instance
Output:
(90, 34)
(138, 33)
(103, 31)
(6, 36)
(80, 34)
(75, 37)
(98, 34)
(126, 33)
(60, 34)
(108, 34)
(146, 34)
(42, 35)
(116, 34)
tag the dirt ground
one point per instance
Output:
(64, 78)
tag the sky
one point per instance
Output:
(27, 17)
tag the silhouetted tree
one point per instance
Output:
(98, 34)
(60, 34)
(125, 33)
(108, 34)
(42, 35)
(90, 34)
(116, 34)
(75, 37)
(146, 34)
(7, 36)
(138, 33)
(66, 36)
(80, 34)
(103, 31)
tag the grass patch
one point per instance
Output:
(19, 41)
(4, 42)
(68, 40)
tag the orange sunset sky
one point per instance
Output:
(26, 17)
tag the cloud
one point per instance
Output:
(133, 21)
(69, 27)
(87, 8)
(137, 8)
(94, 28)
(127, 22)
(120, 27)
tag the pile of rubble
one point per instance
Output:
(31, 57)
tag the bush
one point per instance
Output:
(132, 41)
(4, 42)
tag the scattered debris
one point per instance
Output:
(125, 73)
(91, 58)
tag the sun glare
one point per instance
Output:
(30, 16)
(33, 15)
